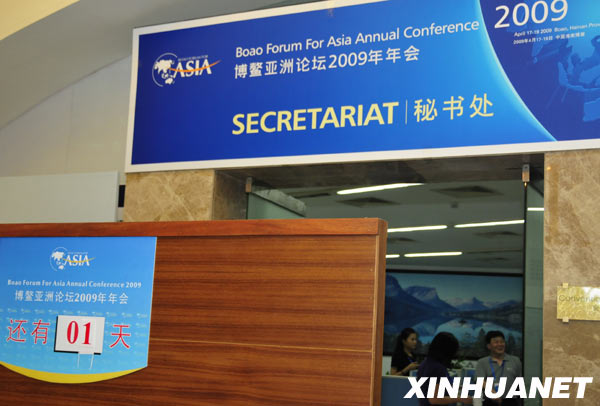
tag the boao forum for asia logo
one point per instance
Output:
(168, 68)
(61, 259)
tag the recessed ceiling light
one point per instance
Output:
(490, 224)
(421, 228)
(535, 209)
(433, 254)
(377, 188)
(391, 256)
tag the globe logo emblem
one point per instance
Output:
(163, 70)
(58, 258)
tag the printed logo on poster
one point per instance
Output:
(168, 68)
(61, 259)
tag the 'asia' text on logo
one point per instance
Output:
(168, 67)
(61, 259)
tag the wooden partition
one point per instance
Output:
(268, 312)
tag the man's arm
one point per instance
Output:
(519, 367)
(480, 370)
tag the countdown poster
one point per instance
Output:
(76, 309)
(352, 80)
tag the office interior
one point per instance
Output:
(475, 222)
(63, 124)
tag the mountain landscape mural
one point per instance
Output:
(466, 305)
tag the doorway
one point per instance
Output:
(472, 223)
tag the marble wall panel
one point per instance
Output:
(169, 196)
(230, 198)
(571, 255)
(184, 196)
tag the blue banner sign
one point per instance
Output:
(366, 80)
(76, 309)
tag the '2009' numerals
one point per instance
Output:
(538, 13)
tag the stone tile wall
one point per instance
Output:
(571, 255)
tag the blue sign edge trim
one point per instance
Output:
(487, 150)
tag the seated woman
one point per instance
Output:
(403, 360)
(442, 349)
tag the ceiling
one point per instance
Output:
(42, 57)
(501, 167)
(454, 191)
(448, 203)
(17, 15)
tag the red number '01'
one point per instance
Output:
(73, 332)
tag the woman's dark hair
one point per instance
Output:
(404, 334)
(443, 348)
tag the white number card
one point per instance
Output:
(80, 334)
